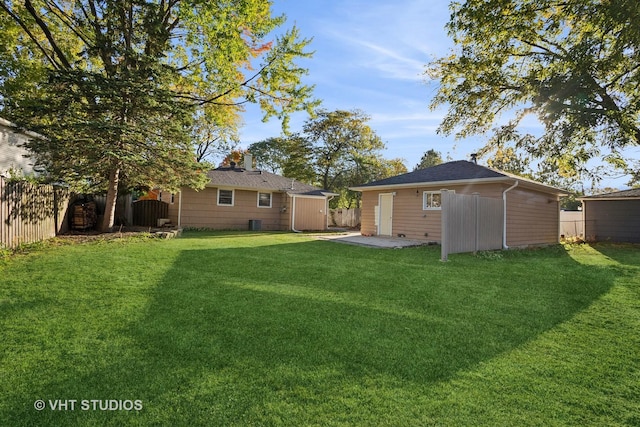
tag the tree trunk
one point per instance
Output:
(112, 197)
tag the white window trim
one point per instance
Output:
(424, 194)
(233, 197)
(270, 199)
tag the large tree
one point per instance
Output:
(340, 139)
(575, 65)
(430, 158)
(114, 85)
(291, 156)
(335, 150)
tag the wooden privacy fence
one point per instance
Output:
(343, 217)
(470, 223)
(30, 212)
(147, 212)
(571, 224)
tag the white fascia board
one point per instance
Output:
(443, 184)
(595, 199)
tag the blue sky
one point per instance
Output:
(371, 55)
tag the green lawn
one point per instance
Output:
(281, 329)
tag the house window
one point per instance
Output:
(431, 200)
(225, 197)
(264, 200)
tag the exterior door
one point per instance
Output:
(385, 221)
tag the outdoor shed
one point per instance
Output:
(613, 216)
(244, 198)
(521, 212)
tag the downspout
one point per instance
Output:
(179, 208)
(293, 214)
(504, 214)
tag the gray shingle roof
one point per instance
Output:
(450, 171)
(455, 172)
(259, 180)
(633, 193)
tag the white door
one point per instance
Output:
(385, 220)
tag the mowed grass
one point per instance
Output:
(237, 329)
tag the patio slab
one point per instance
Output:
(355, 238)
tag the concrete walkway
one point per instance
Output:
(355, 238)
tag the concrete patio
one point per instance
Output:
(355, 238)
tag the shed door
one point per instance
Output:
(386, 214)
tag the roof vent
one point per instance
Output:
(232, 165)
(474, 158)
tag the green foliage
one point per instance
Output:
(290, 156)
(573, 65)
(429, 158)
(115, 85)
(335, 150)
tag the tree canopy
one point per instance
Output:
(334, 150)
(115, 85)
(430, 158)
(575, 65)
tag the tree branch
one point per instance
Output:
(45, 29)
(17, 19)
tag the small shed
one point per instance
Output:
(613, 217)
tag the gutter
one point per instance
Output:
(179, 208)
(293, 214)
(504, 214)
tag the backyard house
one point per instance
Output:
(613, 216)
(409, 205)
(13, 156)
(245, 198)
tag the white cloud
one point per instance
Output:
(394, 40)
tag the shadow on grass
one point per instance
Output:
(236, 335)
(624, 253)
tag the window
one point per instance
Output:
(264, 200)
(225, 197)
(431, 200)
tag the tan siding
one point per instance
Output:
(532, 218)
(367, 220)
(311, 214)
(200, 209)
(409, 218)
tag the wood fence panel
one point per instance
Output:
(147, 212)
(571, 224)
(30, 212)
(343, 217)
(470, 223)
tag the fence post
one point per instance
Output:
(476, 201)
(444, 224)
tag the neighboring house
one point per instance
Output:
(245, 198)
(409, 205)
(613, 216)
(13, 156)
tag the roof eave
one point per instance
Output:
(589, 199)
(443, 184)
